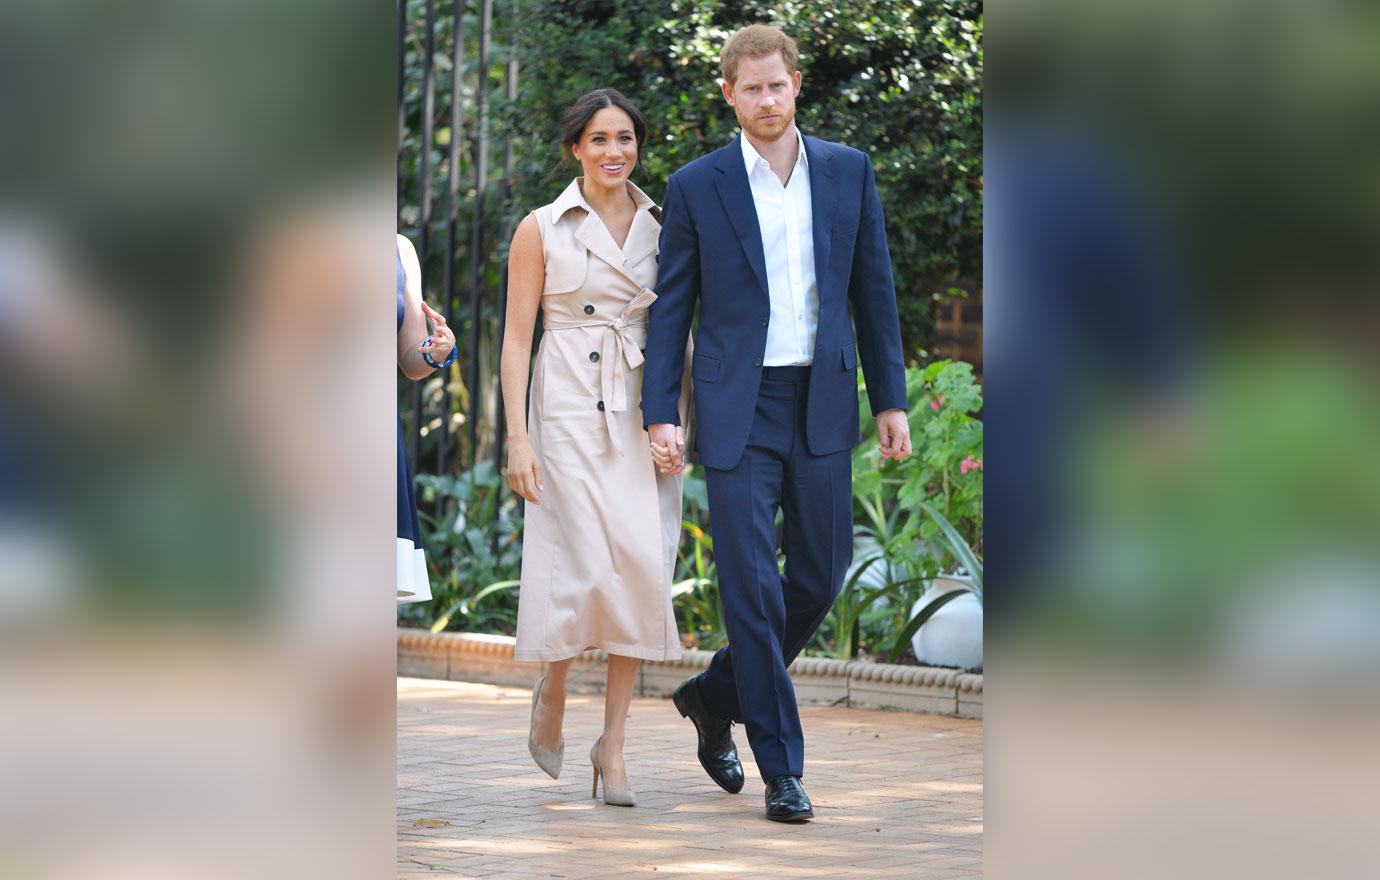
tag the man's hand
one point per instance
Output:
(893, 434)
(668, 447)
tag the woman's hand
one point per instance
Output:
(524, 471)
(442, 340)
(670, 461)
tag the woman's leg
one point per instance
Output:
(546, 726)
(617, 700)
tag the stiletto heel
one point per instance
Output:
(549, 760)
(614, 797)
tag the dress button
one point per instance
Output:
(594, 356)
(589, 310)
(601, 406)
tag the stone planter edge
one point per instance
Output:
(819, 681)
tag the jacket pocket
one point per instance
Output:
(850, 356)
(705, 368)
(846, 229)
(565, 274)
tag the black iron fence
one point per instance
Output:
(454, 65)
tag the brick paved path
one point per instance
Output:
(895, 795)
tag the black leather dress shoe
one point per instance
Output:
(718, 754)
(787, 801)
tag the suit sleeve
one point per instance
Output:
(668, 321)
(873, 295)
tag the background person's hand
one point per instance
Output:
(442, 340)
(524, 471)
(669, 459)
(893, 434)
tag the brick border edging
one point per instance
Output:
(819, 681)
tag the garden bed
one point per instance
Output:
(818, 681)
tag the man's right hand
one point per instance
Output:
(668, 447)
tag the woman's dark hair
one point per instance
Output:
(579, 114)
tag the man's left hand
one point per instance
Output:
(893, 434)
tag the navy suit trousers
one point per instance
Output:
(770, 615)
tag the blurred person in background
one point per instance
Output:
(419, 355)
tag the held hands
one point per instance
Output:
(524, 471)
(441, 341)
(893, 434)
(668, 447)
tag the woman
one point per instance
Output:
(419, 353)
(601, 525)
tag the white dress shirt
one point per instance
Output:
(787, 224)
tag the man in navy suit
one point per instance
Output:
(778, 238)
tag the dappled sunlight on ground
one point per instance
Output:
(895, 795)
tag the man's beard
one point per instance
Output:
(767, 130)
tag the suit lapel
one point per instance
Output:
(736, 194)
(823, 196)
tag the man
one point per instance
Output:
(776, 237)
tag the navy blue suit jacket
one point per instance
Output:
(711, 254)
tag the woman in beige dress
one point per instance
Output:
(602, 525)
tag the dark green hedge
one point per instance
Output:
(901, 80)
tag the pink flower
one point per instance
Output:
(969, 464)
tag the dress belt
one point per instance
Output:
(616, 350)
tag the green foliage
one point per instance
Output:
(473, 553)
(901, 81)
(905, 513)
(695, 592)
(943, 398)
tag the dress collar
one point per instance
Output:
(573, 197)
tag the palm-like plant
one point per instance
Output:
(967, 560)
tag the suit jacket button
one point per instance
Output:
(757, 363)
(601, 406)
(594, 356)
(765, 322)
(589, 310)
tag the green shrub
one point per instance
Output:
(473, 551)
(899, 80)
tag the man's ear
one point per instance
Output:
(796, 76)
(727, 88)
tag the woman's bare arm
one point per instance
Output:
(526, 279)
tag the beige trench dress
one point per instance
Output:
(599, 551)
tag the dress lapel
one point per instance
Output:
(595, 236)
(645, 234)
(736, 194)
(642, 236)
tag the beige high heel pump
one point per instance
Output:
(614, 797)
(549, 760)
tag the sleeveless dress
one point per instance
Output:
(599, 550)
(413, 584)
